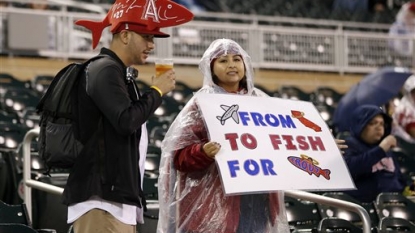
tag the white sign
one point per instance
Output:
(271, 144)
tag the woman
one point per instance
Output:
(190, 193)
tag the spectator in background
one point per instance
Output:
(192, 5)
(376, 5)
(350, 5)
(404, 26)
(359, 5)
(404, 114)
(372, 166)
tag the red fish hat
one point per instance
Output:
(141, 16)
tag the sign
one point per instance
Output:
(270, 144)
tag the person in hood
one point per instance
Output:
(404, 114)
(371, 163)
(104, 188)
(190, 193)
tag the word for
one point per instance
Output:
(252, 167)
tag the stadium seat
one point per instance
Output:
(150, 218)
(40, 83)
(48, 210)
(407, 147)
(151, 172)
(395, 225)
(9, 81)
(294, 93)
(406, 164)
(17, 99)
(339, 225)
(16, 228)
(330, 211)
(181, 93)
(395, 205)
(301, 215)
(326, 95)
(14, 214)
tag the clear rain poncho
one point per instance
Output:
(404, 114)
(193, 201)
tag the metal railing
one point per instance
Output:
(30, 183)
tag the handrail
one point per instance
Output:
(336, 203)
(27, 171)
(30, 183)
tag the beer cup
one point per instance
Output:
(163, 65)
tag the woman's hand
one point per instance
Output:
(211, 149)
(341, 144)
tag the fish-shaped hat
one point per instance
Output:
(141, 16)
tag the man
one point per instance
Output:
(368, 156)
(103, 192)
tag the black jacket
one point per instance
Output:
(110, 119)
(360, 158)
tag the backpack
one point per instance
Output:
(58, 139)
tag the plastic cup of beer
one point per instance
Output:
(163, 65)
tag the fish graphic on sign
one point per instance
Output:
(230, 112)
(306, 122)
(309, 165)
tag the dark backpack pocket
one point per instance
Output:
(61, 149)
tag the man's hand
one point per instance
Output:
(165, 82)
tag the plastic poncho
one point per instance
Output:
(194, 200)
(404, 25)
(404, 114)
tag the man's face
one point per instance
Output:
(140, 47)
(374, 130)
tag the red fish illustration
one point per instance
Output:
(147, 16)
(306, 122)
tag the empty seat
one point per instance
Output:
(181, 93)
(337, 225)
(395, 205)
(301, 214)
(395, 225)
(326, 95)
(16, 228)
(292, 92)
(14, 214)
(406, 163)
(330, 211)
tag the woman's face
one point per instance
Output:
(229, 69)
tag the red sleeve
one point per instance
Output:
(192, 158)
